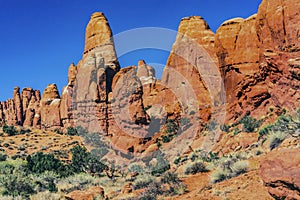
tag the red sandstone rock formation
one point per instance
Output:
(280, 172)
(50, 108)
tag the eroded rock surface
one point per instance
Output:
(280, 172)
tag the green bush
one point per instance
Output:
(39, 163)
(166, 138)
(195, 168)
(170, 178)
(79, 158)
(72, 131)
(177, 160)
(142, 182)
(83, 161)
(275, 139)
(218, 176)
(10, 130)
(136, 168)
(3, 157)
(161, 166)
(171, 126)
(99, 152)
(147, 108)
(239, 167)
(225, 128)
(250, 124)
(184, 121)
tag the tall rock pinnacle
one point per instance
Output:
(192, 59)
(99, 40)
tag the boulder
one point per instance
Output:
(90, 194)
(280, 171)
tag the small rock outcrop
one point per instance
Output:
(90, 194)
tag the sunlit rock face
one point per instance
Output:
(50, 108)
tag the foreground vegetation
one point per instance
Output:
(47, 176)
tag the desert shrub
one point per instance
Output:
(72, 131)
(45, 196)
(180, 189)
(17, 184)
(170, 177)
(239, 167)
(171, 126)
(195, 168)
(166, 138)
(193, 156)
(154, 189)
(274, 139)
(94, 140)
(142, 182)
(99, 152)
(147, 108)
(3, 157)
(79, 158)
(158, 170)
(192, 112)
(58, 131)
(11, 198)
(39, 163)
(265, 130)
(219, 175)
(6, 145)
(229, 167)
(212, 125)
(135, 168)
(209, 157)
(24, 131)
(10, 130)
(45, 181)
(76, 182)
(184, 121)
(225, 128)
(250, 124)
(288, 124)
(236, 131)
(177, 160)
(94, 165)
(83, 161)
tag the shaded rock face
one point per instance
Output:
(33, 112)
(128, 121)
(66, 107)
(23, 109)
(280, 172)
(50, 108)
(90, 96)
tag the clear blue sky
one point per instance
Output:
(39, 39)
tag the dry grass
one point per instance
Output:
(38, 141)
